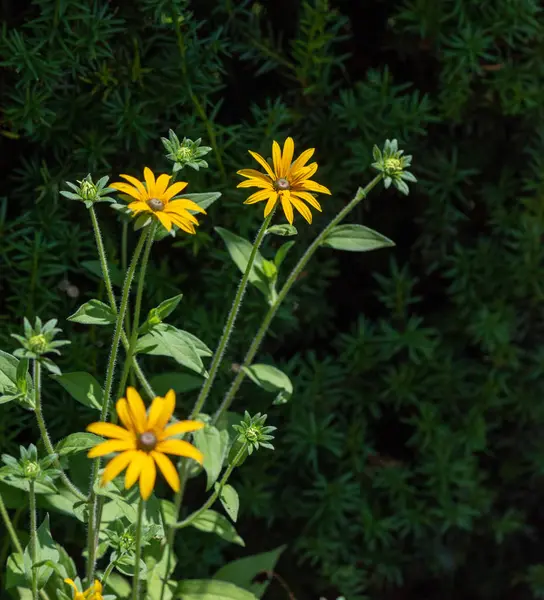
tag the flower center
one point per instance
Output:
(155, 204)
(393, 164)
(147, 441)
(38, 343)
(282, 184)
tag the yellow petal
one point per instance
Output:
(117, 464)
(137, 409)
(260, 183)
(286, 205)
(181, 212)
(138, 206)
(134, 468)
(186, 204)
(164, 219)
(276, 159)
(123, 413)
(150, 182)
(136, 183)
(312, 186)
(174, 189)
(253, 174)
(302, 160)
(308, 198)
(263, 164)
(182, 427)
(155, 411)
(110, 430)
(167, 469)
(287, 156)
(71, 582)
(302, 174)
(111, 446)
(183, 224)
(98, 587)
(302, 208)
(270, 204)
(161, 185)
(180, 448)
(258, 197)
(125, 188)
(167, 410)
(147, 477)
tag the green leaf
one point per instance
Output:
(229, 499)
(46, 550)
(116, 274)
(204, 200)
(211, 521)
(166, 340)
(243, 571)
(282, 253)
(199, 345)
(83, 387)
(119, 585)
(94, 312)
(240, 250)
(213, 445)
(16, 576)
(284, 230)
(9, 366)
(77, 442)
(179, 382)
(209, 589)
(355, 238)
(160, 313)
(271, 379)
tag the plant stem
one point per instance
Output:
(45, 435)
(124, 263)
(9, 526)
(33, 540)
(137, 308)
(136, 578)
(111, 297)
(94, 524)
(293, 276)
(231, 319)
(107, 572)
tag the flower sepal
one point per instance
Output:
(19, 473)
(393, 165)
(88, 192)
(185, 153)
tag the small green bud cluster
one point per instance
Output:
(88, 192)
(252, 434)
(391, 162)
(185, 153)
(28, 469)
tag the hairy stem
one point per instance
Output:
(33, 540)
(136, 578)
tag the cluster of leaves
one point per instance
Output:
(410, 449)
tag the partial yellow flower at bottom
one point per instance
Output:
(93, 593)
(289, 181)
(144, 442)
(156, 197)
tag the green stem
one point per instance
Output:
(94, 524)
(293, 276)
(111, 297)
(231, 319)
(33, 540)
(45, 435)
(124, 263)
(9, 526)
(107, 572)
(136, 579)
(137, 309)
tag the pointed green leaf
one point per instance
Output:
(179, 382)
(230, 501)
(213, 445)
(94, 312)
(209, 589)
(355, 238)
(284, 229)
(83, 387)
(204, 200)
(9, 368)
(271, 379)
(77, 442)
(211, 521)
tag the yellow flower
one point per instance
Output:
(156, 198)
(144, 441)
(93, 593)
(289, 181)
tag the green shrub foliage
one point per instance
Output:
(411, 453)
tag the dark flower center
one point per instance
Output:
(155, 204)
(282, 184)
(147, 441)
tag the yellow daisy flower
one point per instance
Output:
(93, 593)
(144, 441)
(289, 181)
(156, 198)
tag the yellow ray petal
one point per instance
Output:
(306, 196)
(148, 475)
(183, 224)
(181, 212)
(72, 583)
(110, 430)
(186, 204)
(302, 174)
(111, 446)
(182, 427)
(253, 174)
(287, 156)
(276, 159)
(174, 189)
(137, 409)
(117, 464)
(286, 205)
(136, 183)
(123, 413)
(258, 197)
(165, 220)
(134, 468)
(154, 412)
(312, 186)
(125, 188)
(302, 208)
(139, 206)
(150, 182)
(180, 448)
(263, 164)
(167, 469)
(167, 410)
(259, 183)
(270, 204)
(302, 159)
(161, 184)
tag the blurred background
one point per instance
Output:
(409, 460)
